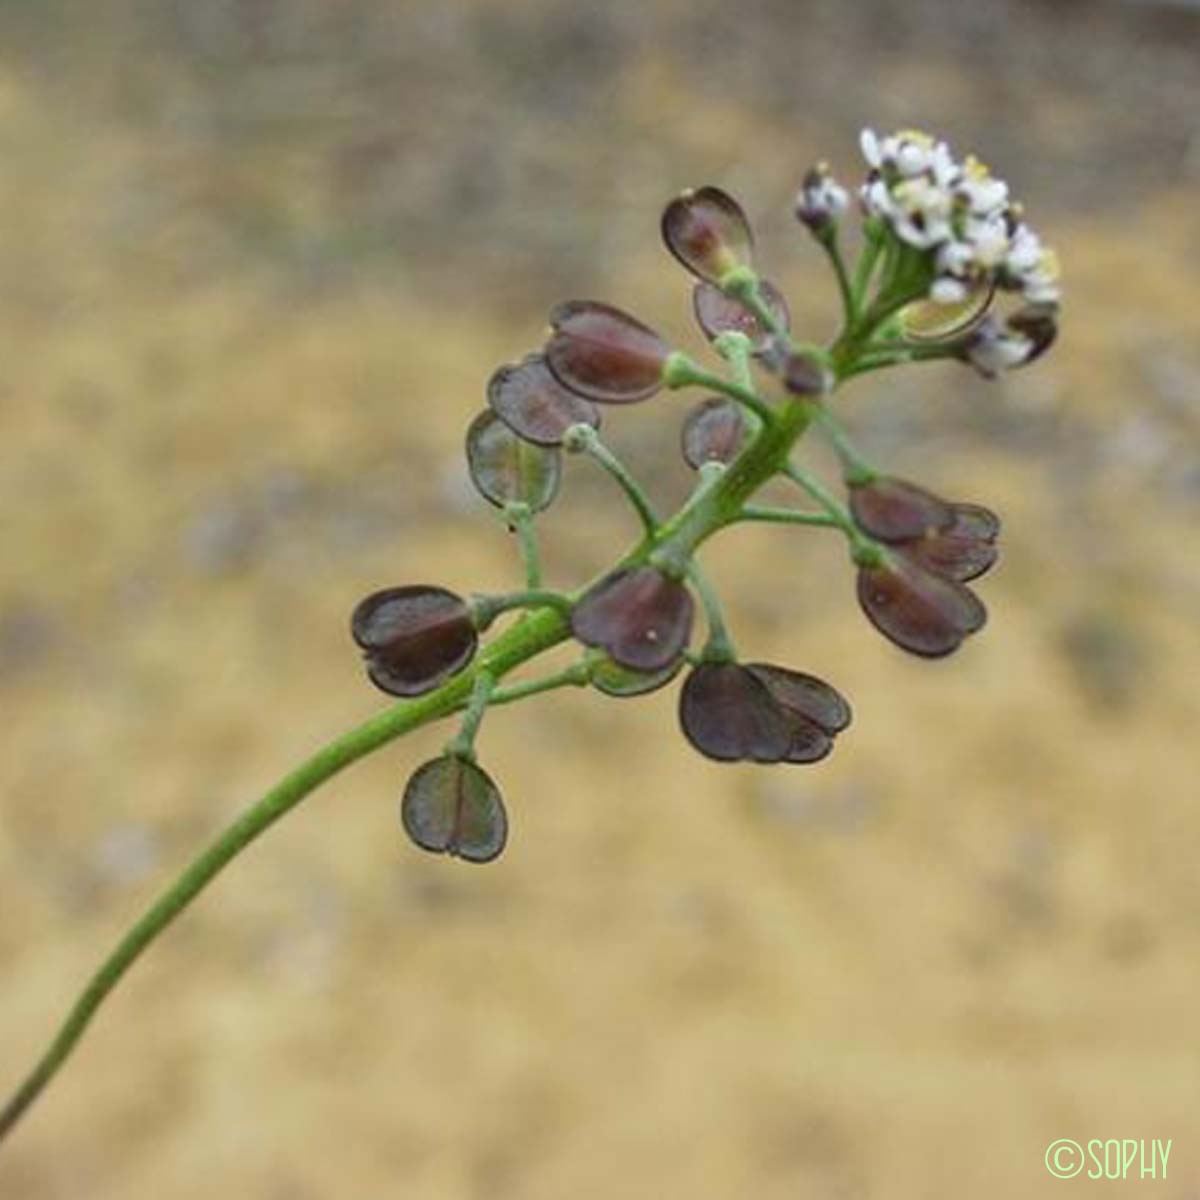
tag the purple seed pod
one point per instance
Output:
(708, 233)
(962, 551)
(507, 469)
(729, 714)
(413, 638)
(712, 432)
(603, 354)
(717, 313)
(816, 711)
(639, 616)
(451, 806)
(804, 375)
(921, 612)
(534, 405)
(894, 510)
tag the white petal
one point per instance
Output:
(869, 144)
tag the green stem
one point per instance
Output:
(683, 372)
(576, 675)
(719, 647)
(710, 508)
(542, 630)
(786, 516)
(462, 745)
(485, 609)
(829, 242)
(583, 439)
(863, 550)
(855, 468)
(520, 521)
(868, 257)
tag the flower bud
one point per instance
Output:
(717, 313)
(534, 405)
(708, 232)
(639, 616)
(919, 611)
(604, 354)
(712, 432)
(894, 510)
(821, 200)
(506, 469)
(413, 638)
(451, 806)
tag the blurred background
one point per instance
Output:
(259, 258)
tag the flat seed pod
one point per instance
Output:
(806, 695)
(413, 637)
(929, 321)
(894, 510)
(534, 405)
(975, 521)
(505, 468)
(717, 313)
(642, 618)
(729, 715)
(604, 354)
(707, 232)
(810, 743)
(451, 806)
(952, 555)
(919, 611)
(614, 680)
(712, 432)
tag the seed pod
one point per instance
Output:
(921, 612)
(451, 806)
(534, 405)
(642, 618)
(620, 682)
(507, 469)
(931, 321)
(804, 375)
(717, 313)
(816, 711)
(728, 714)
(413, 638)
(707, 232)
(604, 354)
(712, 432)
(962, 551)
(894, 510)
(804, 694)
(1038, 323)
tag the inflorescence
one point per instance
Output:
(942, 244)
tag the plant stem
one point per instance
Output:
(862, 549)
(520, 521)
(583, 439)
(462, 745)
(786, 516)
(832, 247)
(719, 647)
(855, 468)
(543, 629)
(711, 507)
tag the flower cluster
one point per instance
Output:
(961, 213)
(954, 239)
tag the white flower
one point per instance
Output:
(960, 212)
(994, 349)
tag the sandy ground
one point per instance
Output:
(248, 311)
